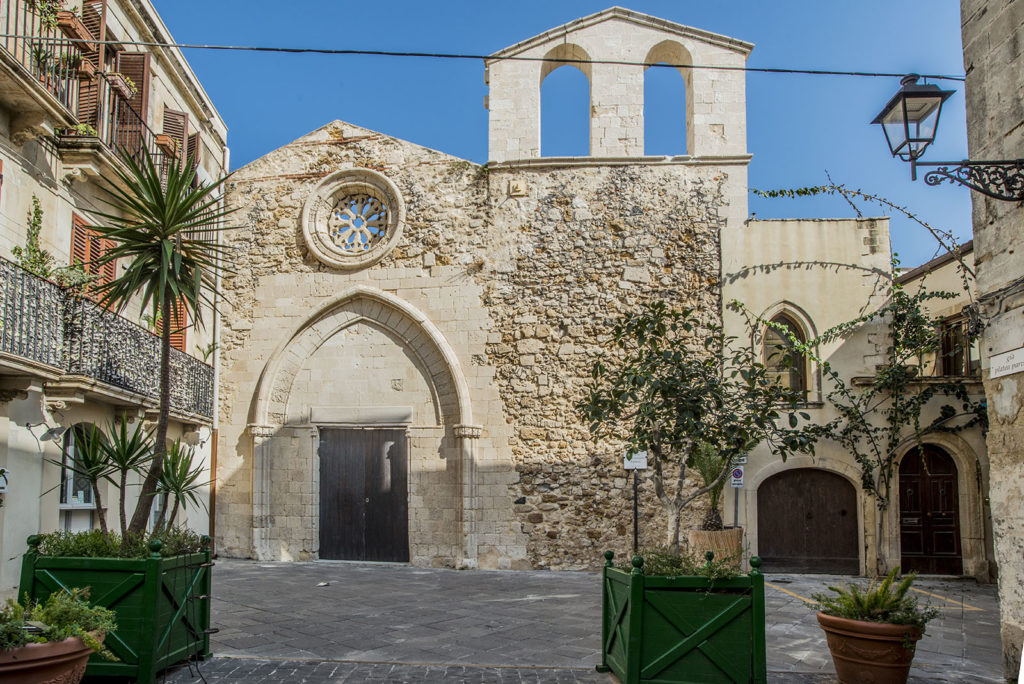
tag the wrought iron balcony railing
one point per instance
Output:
(45, 324)
(42, 51)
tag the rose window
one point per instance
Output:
(352, 219)
(357, 222)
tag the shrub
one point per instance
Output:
(662, 562)
(63, 614)
(886, 601)
(94, 544)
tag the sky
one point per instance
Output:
(799, 127)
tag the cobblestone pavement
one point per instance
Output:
(347, 622)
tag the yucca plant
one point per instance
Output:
(126, 453)
(885, 601)
(162, 228)
(89, 461)
(180, 480)
(709, 463)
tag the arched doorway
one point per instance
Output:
(807, 522)
(929, 513)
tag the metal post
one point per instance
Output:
(636, 523)
(736, 507)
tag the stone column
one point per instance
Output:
(261, 435)
(468, 437)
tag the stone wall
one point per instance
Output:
(521, 272)
(993, 36)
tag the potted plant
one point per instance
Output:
(124, 86)
(873, 633)
(82, 67)
(671, 618)
(72, 26)
(725, 542)
(51, 641)
(167, 144)
(46, 10)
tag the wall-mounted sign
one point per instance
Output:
(737, 477)
(1006, 363)
(638, 461)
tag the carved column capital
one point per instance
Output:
(469, 431)
(261, 432)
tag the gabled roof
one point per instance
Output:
(624, 14)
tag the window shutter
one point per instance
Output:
(194, 149)
(79, 242)
(87, 247)
(179, 322)
(89, 91)
(176, 126)
(135, 65)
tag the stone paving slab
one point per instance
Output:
(396, 623)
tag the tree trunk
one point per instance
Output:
(156, 467)
(99, 509)
(673, 528)
(174, 513)
(120, 506)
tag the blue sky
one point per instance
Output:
(798, 126)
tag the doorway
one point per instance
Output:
(929, 513)
(807, 522)
(364, 507)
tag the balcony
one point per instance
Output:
(39, 73)
(118, 130)
(80, 350)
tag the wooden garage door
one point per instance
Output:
(364, 508)
(929, 513)
(807, 522)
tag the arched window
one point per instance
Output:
(668, 100)
(565, 103)
(664, 112)
(785, 364)
(565, 114)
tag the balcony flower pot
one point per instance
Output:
(86, 70)
(54, 661)
(162, 605)
(683, 628)
(874, 652)
(121, 85)
(71, 25)
(167, 144)
(726, 543)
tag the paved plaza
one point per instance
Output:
(352, 622)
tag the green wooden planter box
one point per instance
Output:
(162, 605)
(677, 629)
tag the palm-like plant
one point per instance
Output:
(88, 460)
(179, 479)
(126, 453)
(162, 230)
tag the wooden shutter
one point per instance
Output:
(135, 65)
(176, 126)
(87, 248)
(89, 91)
(194, 149)
(179, 322)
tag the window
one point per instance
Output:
(958, 355)
(87, 248)
(75, 490)
(785, 364)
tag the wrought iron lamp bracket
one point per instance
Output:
(1002, 180)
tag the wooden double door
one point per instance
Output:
(807, 522)
(929, 513)
(364, 507)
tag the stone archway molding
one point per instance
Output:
(425, 340)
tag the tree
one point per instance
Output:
(670, 384)
(163, 230)
(180, 480)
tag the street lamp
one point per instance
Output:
(910, 120)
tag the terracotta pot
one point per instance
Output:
(57, 661)
(71, 25)
(869, 652)
(727, 543)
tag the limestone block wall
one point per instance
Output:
(716, 104)
(993, 32)
(518, 273)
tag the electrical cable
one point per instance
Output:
(485, 58)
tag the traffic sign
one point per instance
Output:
(737, 477)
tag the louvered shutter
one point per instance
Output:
(194, 149)
(176, 126)
(135, 65)
(87, 248)
(79, 242)
(179, 322)
(89, 91)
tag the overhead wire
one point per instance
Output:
(486, 58)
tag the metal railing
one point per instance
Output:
(125, 130)
(46, 324)
(43, 52)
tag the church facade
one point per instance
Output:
(406, 334)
